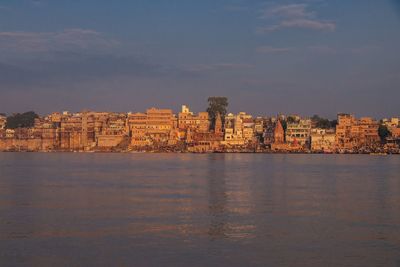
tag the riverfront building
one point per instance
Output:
(355, 134)
(197, 123)
(298, 132)
(161, 130)
(323, 140)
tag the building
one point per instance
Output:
(279, 133)
(392, 123)
(395, 132)
(86, 130)
(114, 131)
(259, 126)
(323, 140)
(393, 126)
(233, 130)
(353, 134)
(159, 122)
(248, 127)
(298, 132)
(278, 138)
(269, 126)
(3, 122)
(187, 120)
(239, 130)
(137, 123)
(367, 132)
(10, 133)
(343, 131)
(155, 127)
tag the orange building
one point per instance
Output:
(137, 123)
(199, 123)
(154, 126)
(353, 134)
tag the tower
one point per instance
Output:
(279, 133)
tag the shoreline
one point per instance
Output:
(211, 152)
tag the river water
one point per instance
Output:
(77, 209)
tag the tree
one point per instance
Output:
(383, 132)
(323, 123)
(24, 120)
(217, 104)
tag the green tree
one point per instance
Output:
(24, 120)
(217, 104)
(383, 132)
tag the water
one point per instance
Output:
(199, 210)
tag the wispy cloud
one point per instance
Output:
(273, 50)
(69, 39)
(215, 67)
(293, 16)
(286, 11)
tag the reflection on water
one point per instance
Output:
(199, 210)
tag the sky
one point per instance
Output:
(268, 57)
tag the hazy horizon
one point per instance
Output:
(292, 57)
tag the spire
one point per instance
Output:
(279, 133)
(279, 126)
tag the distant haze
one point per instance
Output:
(305, 57)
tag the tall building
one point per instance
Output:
(159, 121)
(343, 131)
(352, 133)
(279, 133)
(154, 126)
(298, 132)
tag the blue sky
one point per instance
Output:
(306, 57)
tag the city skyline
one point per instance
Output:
(267, 57)
(214, 130)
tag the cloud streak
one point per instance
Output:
(273, 50)
(215, 67)
(66, 40)
(295, 16)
